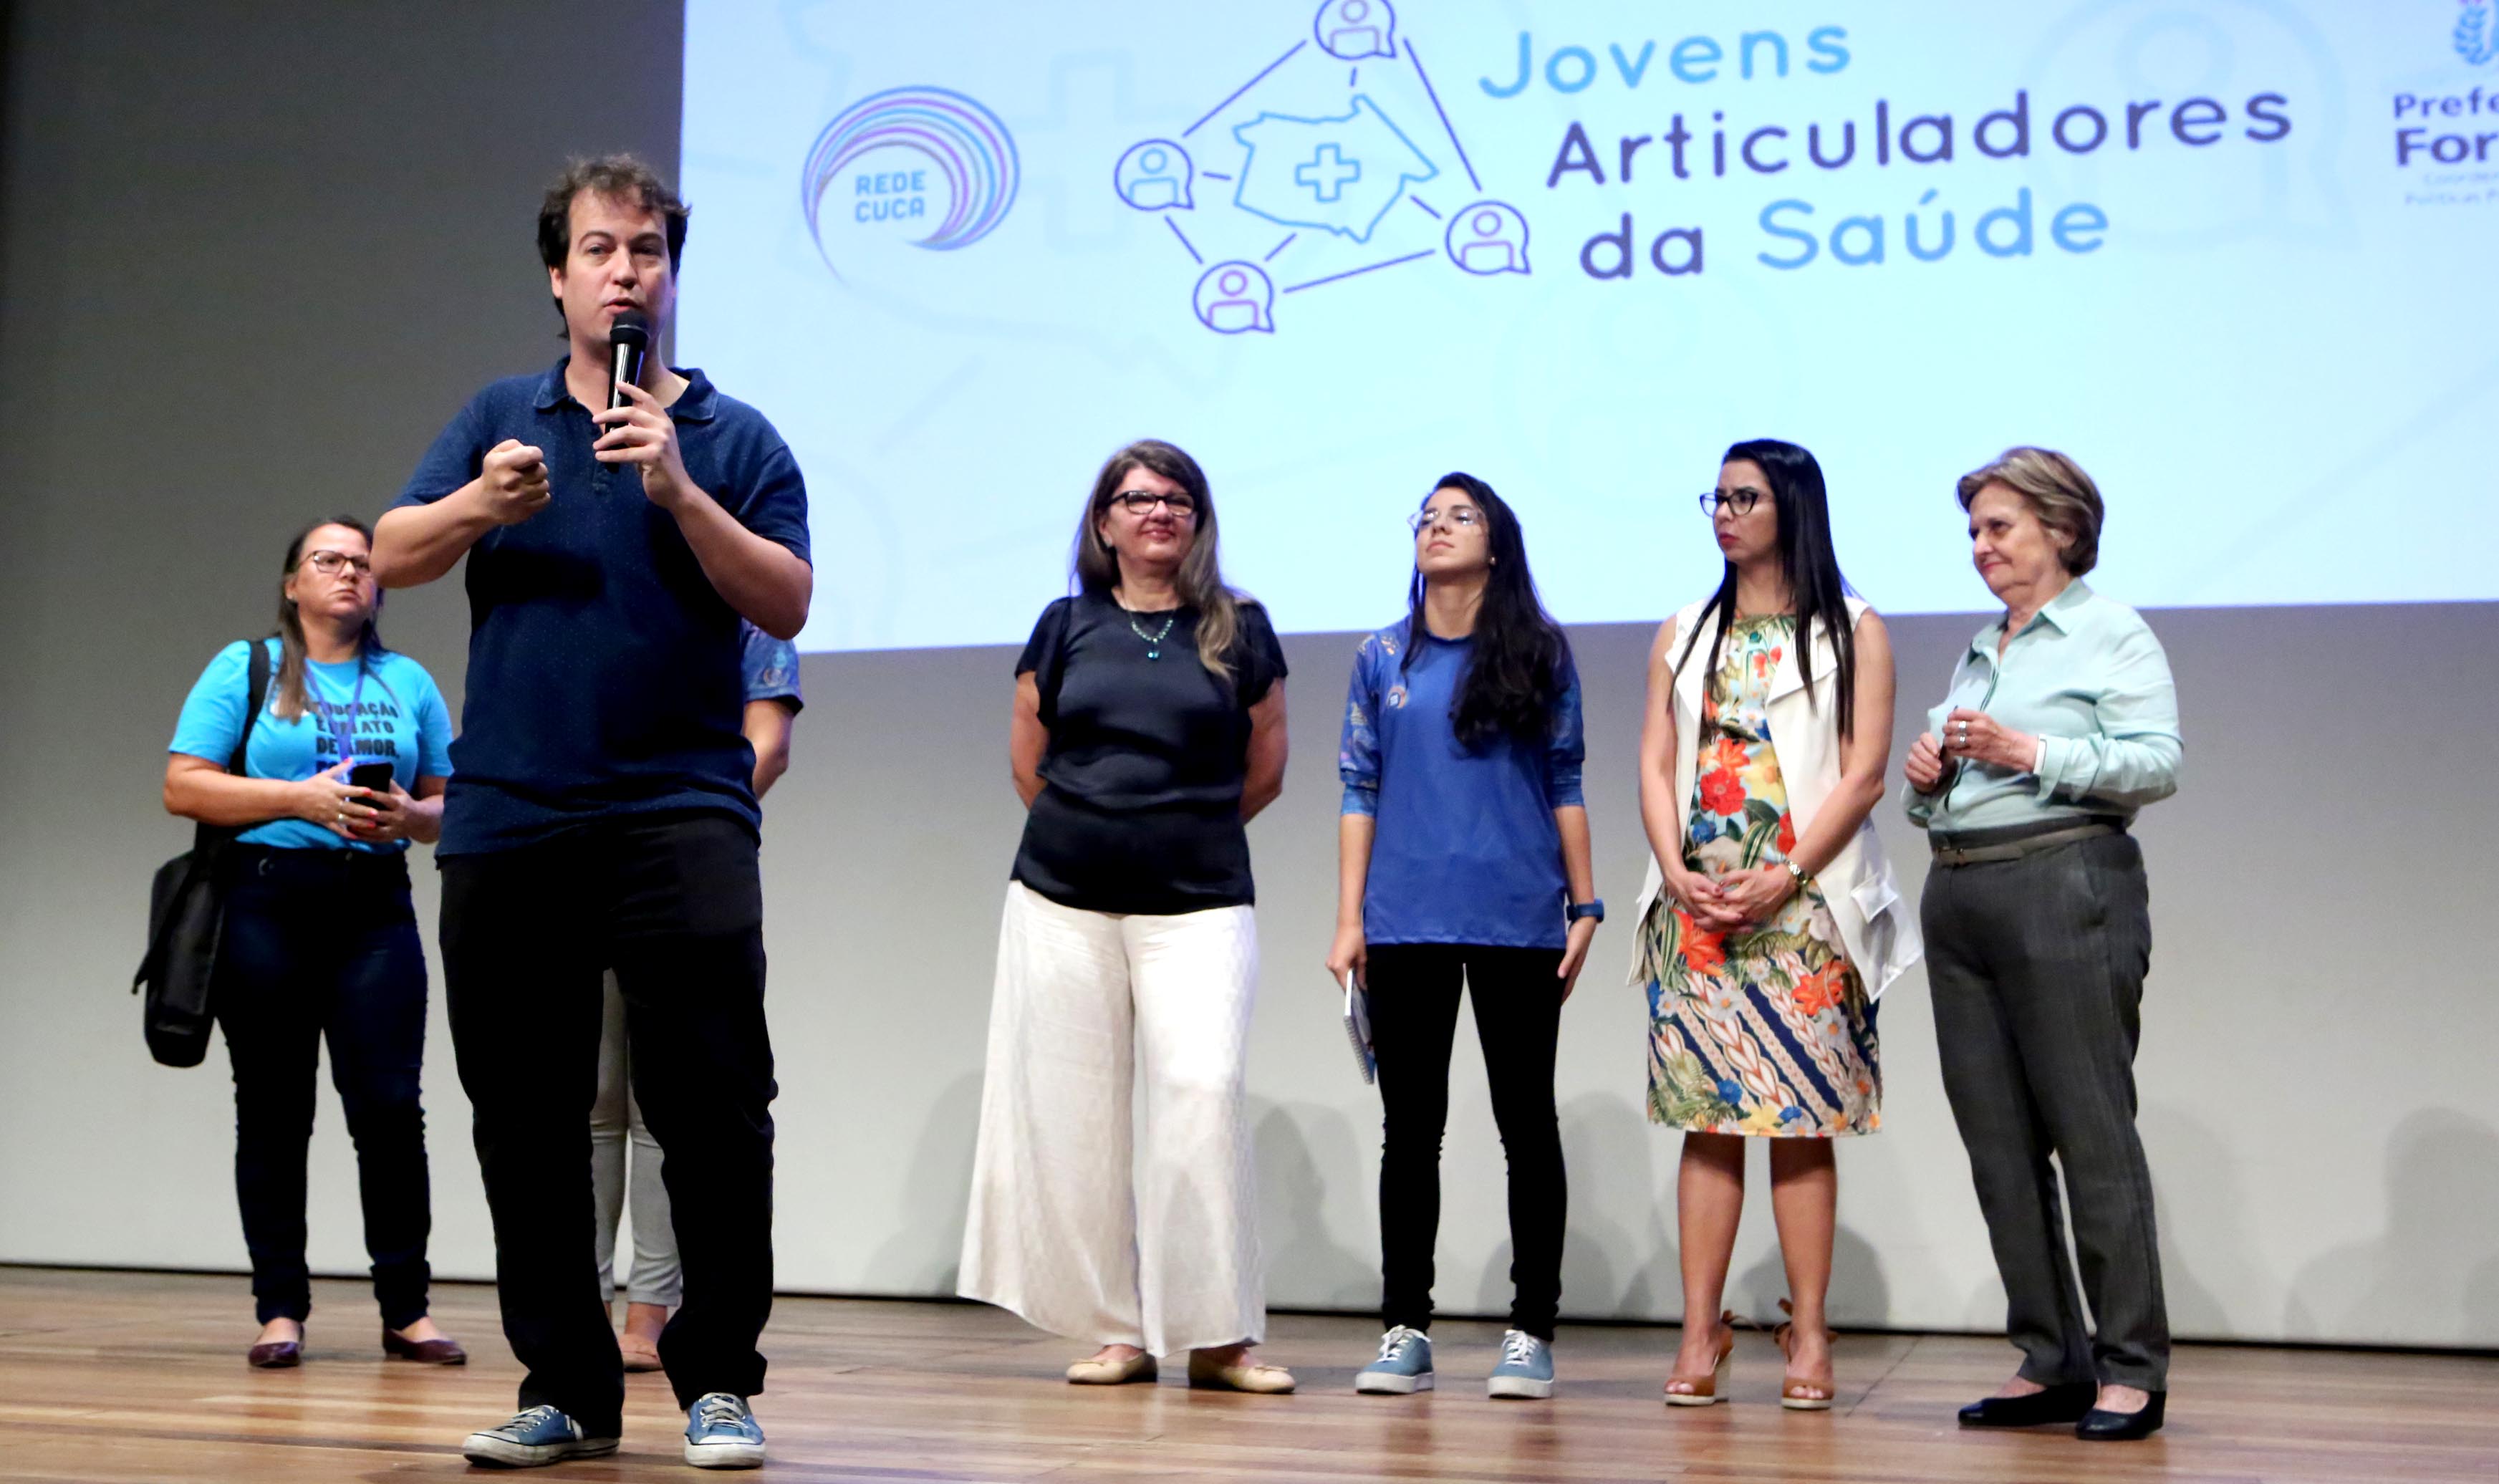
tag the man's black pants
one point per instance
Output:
(673, 904)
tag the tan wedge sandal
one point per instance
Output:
(1798, 1393)
(1704, 1387)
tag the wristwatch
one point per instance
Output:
(1595, 908)
(1803, 877)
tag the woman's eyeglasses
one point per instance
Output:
(1143, 501)
(1740, 501)
(329, 564)
(1464, 517)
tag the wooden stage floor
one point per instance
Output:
(140, 1377)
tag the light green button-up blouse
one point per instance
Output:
(2087, 677)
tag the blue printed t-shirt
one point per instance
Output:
(605, 673)
(402, 719)
(769, 667)
(1463, 848)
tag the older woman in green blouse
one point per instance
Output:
(2060, 723)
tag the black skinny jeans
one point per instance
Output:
(322, 942)
(1413, 1002)
(675, 906)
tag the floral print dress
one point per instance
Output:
(1764, 1031)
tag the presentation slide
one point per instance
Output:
(2240, 257)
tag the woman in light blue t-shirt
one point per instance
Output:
(321, 937)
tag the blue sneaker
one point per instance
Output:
(538, 1436)
(722, 1432)
(1526, 1368)
(1404, 1367)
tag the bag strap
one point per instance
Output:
(255, 696)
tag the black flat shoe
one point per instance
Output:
(276, 1355)
(425, 1352)
(2098, 1426)
(2055, 1403)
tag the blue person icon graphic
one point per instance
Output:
(1487, 237)
(1154, 176)
(1351, 30)
(1236, 298)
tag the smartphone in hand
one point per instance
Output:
(376, 776)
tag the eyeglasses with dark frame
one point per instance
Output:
(1464, 517)
(1141, 502)
(1741, 501)
(329, 564)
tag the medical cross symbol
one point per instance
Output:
(1327, 173)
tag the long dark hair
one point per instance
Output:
(1807, 561)
(290, 623)
(1514, 675)
(1200, 579)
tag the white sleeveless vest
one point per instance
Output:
(1875, 925)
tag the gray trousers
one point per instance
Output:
(2036, 969)
(615, 1127)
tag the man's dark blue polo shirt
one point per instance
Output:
(603, 673)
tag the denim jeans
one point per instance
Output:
(322, 943)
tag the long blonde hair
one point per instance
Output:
(1200, 579)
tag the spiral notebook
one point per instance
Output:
(1357, 1029)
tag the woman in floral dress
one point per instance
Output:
(1772, 923)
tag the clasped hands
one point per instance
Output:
(1972, 735)
(1734, 901)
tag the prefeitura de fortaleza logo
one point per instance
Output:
(2477, 32)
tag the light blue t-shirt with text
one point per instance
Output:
(400, 720)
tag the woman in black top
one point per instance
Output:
(1149, 728)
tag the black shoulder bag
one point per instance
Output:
(186, 915)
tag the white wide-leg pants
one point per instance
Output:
(1094, 1218)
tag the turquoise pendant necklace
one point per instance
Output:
(1154, 640)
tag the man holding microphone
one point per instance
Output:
(602, 815)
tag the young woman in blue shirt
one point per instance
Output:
(321, 937)
(1463, 857)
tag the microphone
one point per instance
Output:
(628, 338)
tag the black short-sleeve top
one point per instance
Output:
(1140, 807)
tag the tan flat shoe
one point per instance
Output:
(1089, 1372)
(1800, 1393)
(1704, 1388)
(1262, 1380)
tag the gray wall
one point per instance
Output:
(252, 267)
